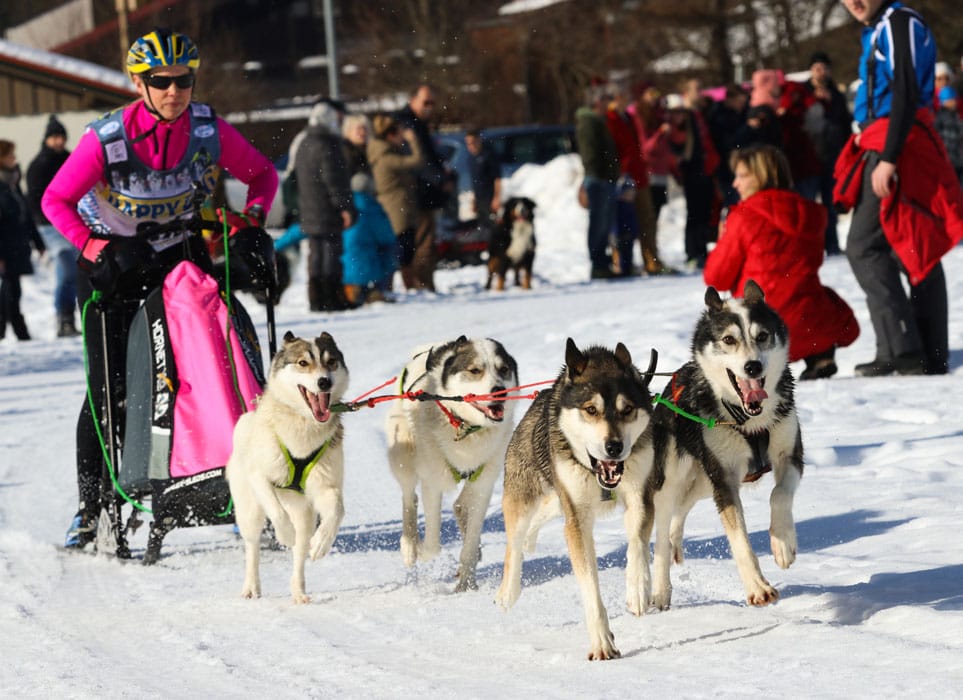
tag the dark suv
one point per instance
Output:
(461, 241)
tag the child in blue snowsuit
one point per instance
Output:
(369, 259)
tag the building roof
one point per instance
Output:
(60, 78)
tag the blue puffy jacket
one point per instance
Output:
(370, 245)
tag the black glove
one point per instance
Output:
(251, 252)
(122, 266)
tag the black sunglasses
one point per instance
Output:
(162, 82)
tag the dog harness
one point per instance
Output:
(758, 441)
(471, 476)
(299, 468)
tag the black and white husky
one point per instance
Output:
(288, 458)
(739, 387)
(441, 444)
(577, 452)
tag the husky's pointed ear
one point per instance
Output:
(753, 294)
(713, 300)
(289, 336)
(461, 340)
(623, 356)
(575, 361)
(326, 337)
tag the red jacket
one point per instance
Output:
(923, 217)
(775, 237)
(631, 159)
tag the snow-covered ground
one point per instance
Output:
(873, 606)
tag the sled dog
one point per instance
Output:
(575, 452)
(439, 444)
(288, 458)
(512, 245)
(739, 377)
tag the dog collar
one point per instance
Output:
(299, 468)
(738, 413)
(462, 428)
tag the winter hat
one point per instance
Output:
(943, 68)
(362, 182)
(820, 57)
(54, 128)
(947, 93)
(325, 114)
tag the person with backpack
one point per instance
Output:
(136, 164)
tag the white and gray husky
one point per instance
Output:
(739, 384)
(288, 458)
(439, 444)
(576, 452)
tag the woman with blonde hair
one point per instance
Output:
(356, 130)
(775, 237)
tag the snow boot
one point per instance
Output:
(82, 531)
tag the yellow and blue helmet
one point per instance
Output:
(160, 48)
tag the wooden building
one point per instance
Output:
(33, 81)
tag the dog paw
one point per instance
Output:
(466, 583)
(300, 598)
(507, 595)
(637, 603)
(320, 545)
(409, 551)
(605, 650)
(764, 594)
(528, 546)
(662, 598)
(784, 551)
(428, 552)
(250, 592)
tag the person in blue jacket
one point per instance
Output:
(897, 68)
(369, 259)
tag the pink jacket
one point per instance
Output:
(85, 167)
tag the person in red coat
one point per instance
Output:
(775, 237)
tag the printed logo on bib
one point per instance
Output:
(145, 209)
(109, 128)
(203, 131)
(116, 152)
(201, 110)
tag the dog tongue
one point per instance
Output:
(752, 391)
(319, 406)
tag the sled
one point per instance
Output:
(193, 367)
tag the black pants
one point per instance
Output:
(698, 189)
(325, 273)
(10, 293)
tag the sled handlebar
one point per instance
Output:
(196, 223)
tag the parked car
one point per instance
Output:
(460, 239)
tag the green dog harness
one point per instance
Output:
(299, 468)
